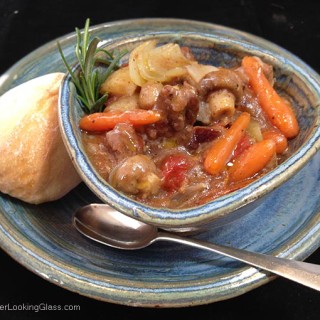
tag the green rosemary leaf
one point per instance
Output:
(96, 84)
(73, 76)
(84, 107)
(112, 66)
(108, 53)
(90, 57)
(90, 78)
(94, 87)
(78, 49)
(99, 104)
(85, 41)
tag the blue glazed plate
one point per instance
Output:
(42, 239)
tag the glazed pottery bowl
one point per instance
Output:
(219, 46)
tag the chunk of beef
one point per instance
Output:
(179, 106)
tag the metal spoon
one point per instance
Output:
(104, 224)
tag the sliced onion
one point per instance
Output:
(197, 71)
(148, 62)
(134, 64)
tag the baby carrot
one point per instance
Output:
(277, 109)
(252, 160)
(280, 140)
(221, 150)
(103, 121)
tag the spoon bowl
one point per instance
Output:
(105, 225)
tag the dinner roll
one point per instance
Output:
(34, 164)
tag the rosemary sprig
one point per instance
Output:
(90, 77)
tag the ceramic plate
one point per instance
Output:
(43, 240)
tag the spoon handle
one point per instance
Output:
(302, 272)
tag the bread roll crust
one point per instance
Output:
(34, 164)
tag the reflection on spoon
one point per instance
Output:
(105, 225)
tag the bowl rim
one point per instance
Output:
(223, 205)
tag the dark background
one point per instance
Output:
(28, 24)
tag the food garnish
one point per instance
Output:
(90, 78)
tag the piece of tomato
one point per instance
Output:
(174, 168)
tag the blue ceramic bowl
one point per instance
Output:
(219, 46)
